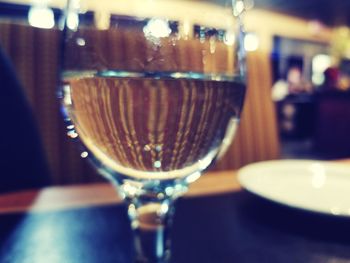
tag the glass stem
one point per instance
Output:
(151, 222)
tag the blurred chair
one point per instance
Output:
(332, 126)
(22, 160)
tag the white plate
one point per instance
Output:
(316, 186)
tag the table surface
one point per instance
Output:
(216, 221)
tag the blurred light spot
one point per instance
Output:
(84, 154)
(133, 213)
(102, 19)
(157, 164)
(238, 8)
(212, 44)
(178, 75)
(186, 28)
(169, 190)
(72, 134)
(289, 110)
(229, 38)
(41, 16)
(320, 63)
(72, 20)
(70, 127)
(129, 189)
(80, 41)
(157, 28)
(287, 125)
(335, 210)
(193, 177)
(160, 195)
(204, 56)
(67, 99)
(146, 148)
(251, 42)
(158, 148)
(164, 208)
(179, 188)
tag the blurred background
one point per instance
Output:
(298, 100)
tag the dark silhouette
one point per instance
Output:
(22, 160)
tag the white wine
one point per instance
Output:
(153, 125)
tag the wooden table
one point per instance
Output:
(215, 222)
(69, 197)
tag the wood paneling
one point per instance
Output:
(257, 137)
(72, 197)
(34, 53)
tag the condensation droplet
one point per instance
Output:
(84, 154)
(70, 127)
(72, 134)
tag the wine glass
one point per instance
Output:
(153, 89)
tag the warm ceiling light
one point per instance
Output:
(41, 17)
